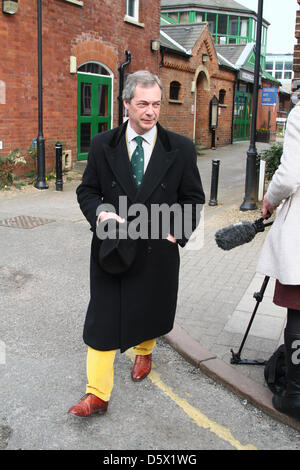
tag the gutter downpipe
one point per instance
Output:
(121, 71)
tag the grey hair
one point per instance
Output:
(142, 77)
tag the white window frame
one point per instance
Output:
(76, 2)
(136, 8)
(133, 19)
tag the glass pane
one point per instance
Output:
(184, 18)
(287, 75)
(130, 8)
(173, 16)
(92, 67)
(211, 19)
(233, 26)
(244, 28)
(103, 100)
(198, 17)
(222, 94)
(222, 24)
(279, 65)
(102, 126)
(288, 65)
(86, 94)
(269, 65)
(85, 137)
(174, 90)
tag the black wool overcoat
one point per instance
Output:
(139, 305)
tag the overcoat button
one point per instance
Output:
(149, 249)
(113, 184)
(163, 186)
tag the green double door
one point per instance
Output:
(93, 110)
(242, 116)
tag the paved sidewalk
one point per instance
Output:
(216, 287)
(216, 291)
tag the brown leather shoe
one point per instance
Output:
(88, 405)
(141, 368)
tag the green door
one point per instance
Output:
(242, 116)
(93, 110)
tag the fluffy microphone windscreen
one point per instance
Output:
(235, 235)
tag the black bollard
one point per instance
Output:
(214, 183)
(59, 177)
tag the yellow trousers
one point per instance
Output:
(100, 368)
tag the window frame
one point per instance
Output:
(222, 96)
(136, 8)
(175, 91)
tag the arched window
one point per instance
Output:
(174, 90)
(93, 67)
(222, 94)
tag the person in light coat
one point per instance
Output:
(280, 256)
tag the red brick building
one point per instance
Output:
(190, 64)
(84, 44)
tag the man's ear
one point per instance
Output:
(126, 104)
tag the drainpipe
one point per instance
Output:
(121, 71)
(233, 107)
(162, 55)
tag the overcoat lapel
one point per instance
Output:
(161, 159)
(118, 160)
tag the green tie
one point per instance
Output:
(137, 161)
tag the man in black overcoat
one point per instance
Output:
(133, 288)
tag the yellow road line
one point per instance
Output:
(199, 418)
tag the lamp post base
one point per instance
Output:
(248, 206)
(249, 203)
(41, 184)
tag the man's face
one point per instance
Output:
(143, 109)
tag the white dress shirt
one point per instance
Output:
(149, 139)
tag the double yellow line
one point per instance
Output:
(199, 418)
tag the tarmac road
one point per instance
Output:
(44, 286)
(176, 408)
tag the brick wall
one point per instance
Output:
(296, 66)
(95, 32)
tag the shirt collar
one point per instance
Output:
(149, 136)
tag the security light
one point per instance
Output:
(10, 6)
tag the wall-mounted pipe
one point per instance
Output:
(121, 87)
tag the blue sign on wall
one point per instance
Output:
(269, 96)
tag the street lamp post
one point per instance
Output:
(250, 199)
(41, 180)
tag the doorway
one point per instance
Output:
(94, 101)
(242, 116)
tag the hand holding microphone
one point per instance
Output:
(268, 209)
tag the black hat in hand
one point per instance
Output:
(117, 251)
